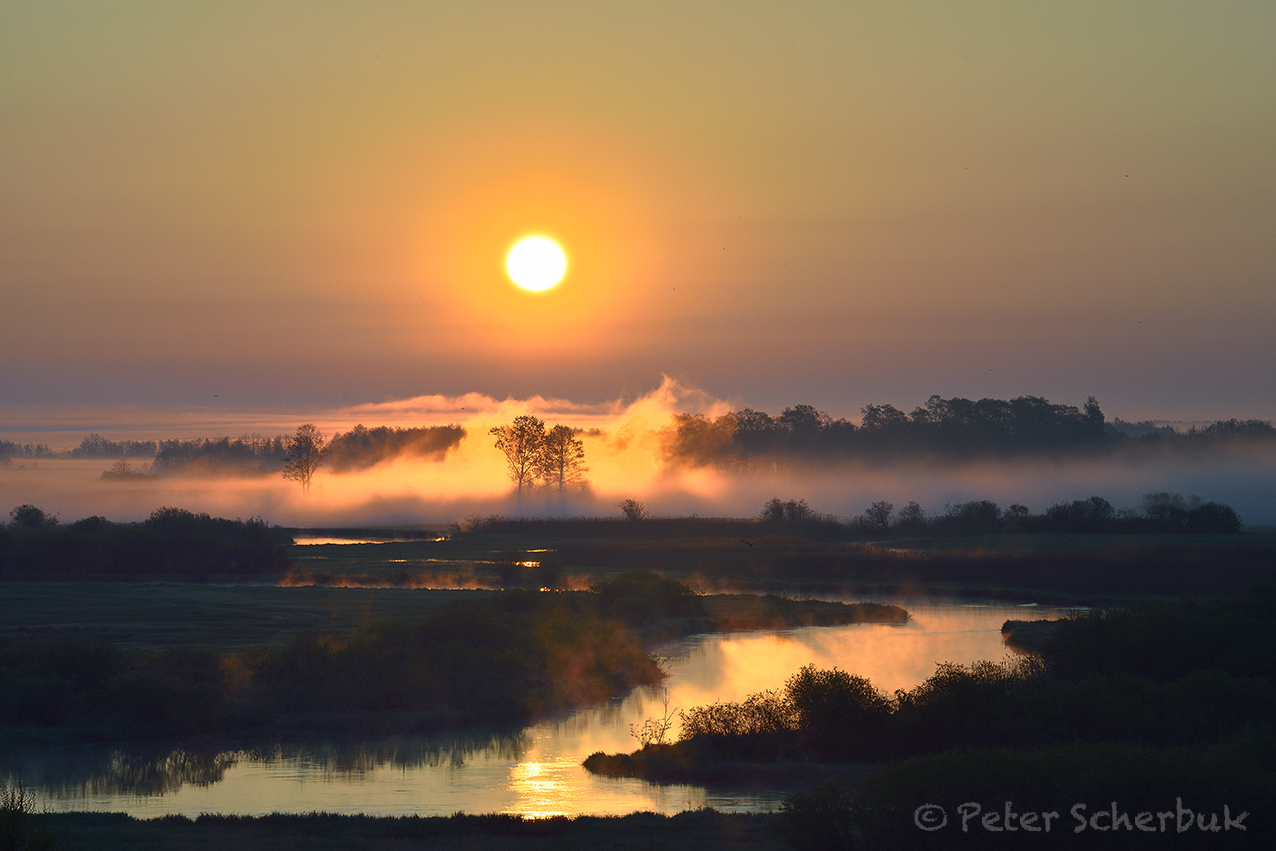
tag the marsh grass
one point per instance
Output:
(697, 830)
(220, 617)
(22, 826)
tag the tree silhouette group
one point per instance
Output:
(555, 458)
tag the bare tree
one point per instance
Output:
(523, 443)
(305, 454)
(563, 459)
(633, 509)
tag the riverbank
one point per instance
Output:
(1195, 675)
(703, 830)
(504, 658)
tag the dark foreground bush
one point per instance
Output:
(1162, 641)
(22, 826)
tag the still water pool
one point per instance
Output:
(533, 772)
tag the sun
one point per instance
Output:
(536, 263)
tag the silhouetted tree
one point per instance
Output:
(879, 514)
(878, 417)
(777, 510)
(30, 517)
(523, 443)
(980, 515)
(911, 518)
(305, 454)
(697, 441)
(364, 447)
(562, 459)
(633, 509)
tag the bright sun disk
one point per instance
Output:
(536, 263)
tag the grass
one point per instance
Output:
(220, 617)
(703, 830)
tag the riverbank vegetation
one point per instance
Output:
(503, 657)
(701, 830)
(823, 555)
(1124, 702)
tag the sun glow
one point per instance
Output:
(536, 263)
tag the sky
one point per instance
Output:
(242, 206)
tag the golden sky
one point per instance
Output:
(248, 204)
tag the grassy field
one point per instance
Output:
(219, 617)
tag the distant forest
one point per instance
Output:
(357, 449)
(1028, 425)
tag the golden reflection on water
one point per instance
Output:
(538, 772)
(541, 789)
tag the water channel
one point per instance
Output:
(535, 772)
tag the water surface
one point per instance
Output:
(536, 771)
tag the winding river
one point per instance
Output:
(535, 772)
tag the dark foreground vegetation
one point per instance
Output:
(1143, 705)
(506, 657)
(701, 830)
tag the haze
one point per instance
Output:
(630, 453)
(242, 205)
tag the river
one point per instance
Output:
(535, 772)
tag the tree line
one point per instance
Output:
(170, 542)
(1159, 512)
(357, 449)
(1027, 425)
(741, 440)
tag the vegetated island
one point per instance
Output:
(503, 658)
(1143, 705)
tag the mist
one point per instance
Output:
(628, 456)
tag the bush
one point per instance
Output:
(841, 716)
(21, 827)
(820, 820)
(641, 595)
